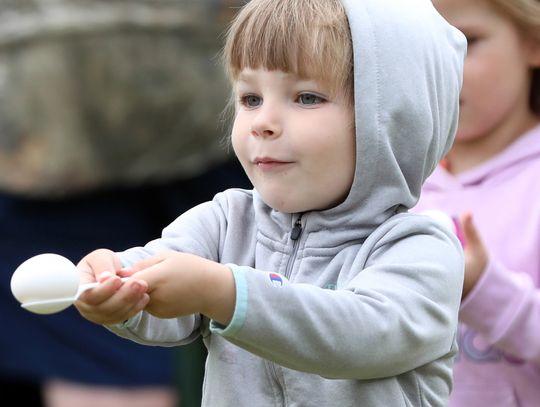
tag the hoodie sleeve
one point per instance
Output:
(505, 308)
(199, 231)
(146, 329)
(399, 311)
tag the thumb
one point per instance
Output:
(143, 264)
(98, 265)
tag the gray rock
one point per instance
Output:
(95, 93)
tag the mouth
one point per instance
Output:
(268, 163)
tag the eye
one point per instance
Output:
(310, 99)
(250, 100)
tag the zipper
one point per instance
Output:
(297, 229)
(276, 377)
(296, 232)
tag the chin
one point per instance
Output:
(284, 206)
(292, 202)
(466, 136)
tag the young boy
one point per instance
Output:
(317, 287)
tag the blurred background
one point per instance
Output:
(110, 127)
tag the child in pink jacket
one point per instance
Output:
(490, 181)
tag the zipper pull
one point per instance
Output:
(297, 229)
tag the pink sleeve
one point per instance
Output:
(504, 307)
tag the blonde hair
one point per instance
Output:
(309, 38)
(526, 15)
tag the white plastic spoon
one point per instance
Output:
(51, 306)
(47, 283)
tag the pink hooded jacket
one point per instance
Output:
(499, 338)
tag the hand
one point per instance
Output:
(476, 255)
(98, 266)
(182, 284)
(112, 301)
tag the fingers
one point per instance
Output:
(476, 254)
(123, 272)
(102, 260)
(113, 301)
(470, 233)
(148, 262)
(98, 266)
(148, 269)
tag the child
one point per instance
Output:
(317, 287)
(491, 176)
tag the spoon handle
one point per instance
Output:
(88, 286)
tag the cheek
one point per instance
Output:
(476, 76)
(490, 70)
(349, 162)
(336, 154)
(493, 86)
(483, 86)
(239, 137)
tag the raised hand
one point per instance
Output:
(476, 255)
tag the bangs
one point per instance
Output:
(308, 38)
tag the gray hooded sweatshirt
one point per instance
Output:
(355, 305)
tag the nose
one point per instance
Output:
(266, 122)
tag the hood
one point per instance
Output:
(408, 66)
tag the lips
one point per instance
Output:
(267, 163)
(267, 160)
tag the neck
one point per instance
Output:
(467, 154)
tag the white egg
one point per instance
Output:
(45, 277)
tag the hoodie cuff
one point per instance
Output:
(492, 304)
(126, 325)
(240, 308)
